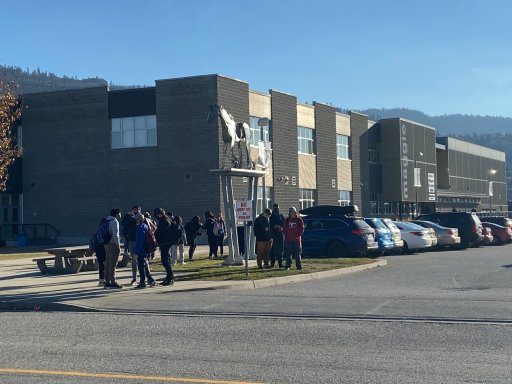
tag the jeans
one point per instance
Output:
(214, 244)
(166, 261)
(292, 248)
(143, 264)
(133, 258)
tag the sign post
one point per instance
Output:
(244, 214)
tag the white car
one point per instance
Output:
(415, 237)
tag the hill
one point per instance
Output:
(446, 125)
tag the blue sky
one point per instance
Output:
(435, 56)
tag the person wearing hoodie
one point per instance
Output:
(142, 252)
(163, 238)
(112, 249)
(293, 229)
(263, 238)
(192, 230)
(276, 228)
(213, 242)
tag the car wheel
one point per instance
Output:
(337, 249)
(465, 245)
(497, 241)
(405, 248)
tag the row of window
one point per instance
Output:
(141, 131)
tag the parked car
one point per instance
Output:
(337, 236)
(382, 234)
(500, 220)
(488, 237)
(415, 237)
(501, 234)
(396, 236)
(468, 224)
(445, 236)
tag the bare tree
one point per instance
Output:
(10, 112)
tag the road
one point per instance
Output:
(442, 317)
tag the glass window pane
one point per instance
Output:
(128, 139)
(116, 124)
(151, 122)
(128, 124)
(151, 136)
(140, 138)
(117, 139)
(140, 122)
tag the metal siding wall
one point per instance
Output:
(326, 163)
(285, 154)
(358, 125)
(390, 159)
(307, 172)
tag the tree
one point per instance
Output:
(10, 112)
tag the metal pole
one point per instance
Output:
(490, 196)
(415, 191)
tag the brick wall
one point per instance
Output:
(326, 164)
(358, 125)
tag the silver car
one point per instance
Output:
(395, 234)
(445, 236)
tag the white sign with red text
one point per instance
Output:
(243, 210)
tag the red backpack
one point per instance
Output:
(150, 240)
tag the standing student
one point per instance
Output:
(192, 230)
(182, 239)
(163, 237)
(293, 229)
(263, 238)
(276, 228)
(213, 242)
(141, 249)
(112, 249)
(221, 234)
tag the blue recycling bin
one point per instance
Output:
(22, 240)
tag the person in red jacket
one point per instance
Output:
(293, 229)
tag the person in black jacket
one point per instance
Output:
(129, 229)
(263, 238)
(276, 228)
(213, 241)
(192, 230)
(163, 238)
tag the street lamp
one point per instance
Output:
(417, 182)
(492, 172)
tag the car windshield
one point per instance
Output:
(430, 224)
(409, 226)
(390, 224)
(376, 223)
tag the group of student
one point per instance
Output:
(142, 233)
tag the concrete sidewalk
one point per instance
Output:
(23, 287)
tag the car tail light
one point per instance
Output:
(357, 232)
(417, 233)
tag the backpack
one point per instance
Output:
(150, 240)
(218, 229)
(103, 235)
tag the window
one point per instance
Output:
(258, 133)
(268, 198)
(342, 147)
(307, 198)
(305, 140)
(334, 224)
(343, 198)
(137, 131)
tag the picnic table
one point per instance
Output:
(68, 260)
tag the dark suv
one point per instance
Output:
(336, 234)
(468, 224)
(500, 220)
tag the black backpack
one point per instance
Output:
(103, 235)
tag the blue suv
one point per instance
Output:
(382, 234)
(335, 234)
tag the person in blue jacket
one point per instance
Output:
(142, 253)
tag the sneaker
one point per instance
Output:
(107, 285)
(152, 284)
(183, 263)
(101, 283)
(287, 269)
(168, 282)
(115, 285)
(133, 282)
(299, 269)
(140, 286)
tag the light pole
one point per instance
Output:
(492, 172)
(417, 182)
